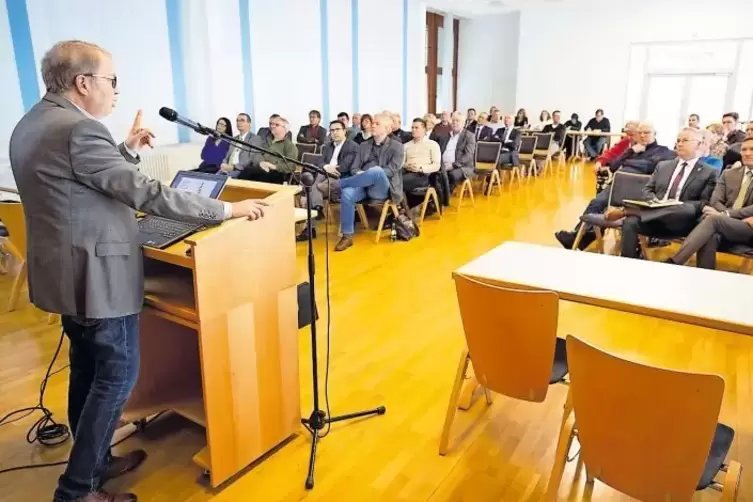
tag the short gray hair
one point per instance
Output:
(458, 115)
(68, 59)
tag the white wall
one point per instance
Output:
(488, 60)
(574, 56)
(286, 60)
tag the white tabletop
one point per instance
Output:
(711, 298)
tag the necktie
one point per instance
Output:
(507, 135)
(676, 183)
(740, 200)
(478, 132)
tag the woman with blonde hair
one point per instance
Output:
(715, 144)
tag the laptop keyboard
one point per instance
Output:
(164, 227)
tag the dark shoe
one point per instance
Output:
(344, 243)
(653, 242)
(567, 239)
(107, 497)
(304, 236)
(123, 465)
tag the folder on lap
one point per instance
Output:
(651, 204)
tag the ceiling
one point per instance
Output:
(473, 8)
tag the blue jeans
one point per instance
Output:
(104, 357)
(593, 146)
(371, 183)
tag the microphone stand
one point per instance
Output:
(318, 419)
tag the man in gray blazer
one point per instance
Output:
(728, 217)
(238, 159)
(685, 179)
(80, 191)
(458, 151)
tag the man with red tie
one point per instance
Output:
(685, 179)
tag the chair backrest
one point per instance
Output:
(311, 158)
(627, 186)
(644, 431)
(488, 152)
(304, 148)
(12, 216)
(511, 336)
(527, 145)
(545, 139)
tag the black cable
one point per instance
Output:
(329, 310)
(46, 430)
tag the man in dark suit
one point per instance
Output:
(470, 121)
(458, 151)
(728, 217)
(397, 129)
(337, 158)
(684, 179)
(729, 122)
(509, 136)
(80, 193)
(312, 134)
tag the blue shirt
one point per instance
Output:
(712, 161)
(212, 153)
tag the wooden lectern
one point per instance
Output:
(219, 331)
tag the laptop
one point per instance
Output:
(158, 232)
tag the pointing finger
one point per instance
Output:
(137, 120)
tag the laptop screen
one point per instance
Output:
(204, 184)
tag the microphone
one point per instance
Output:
(171, 115)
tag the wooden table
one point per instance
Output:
(709, 298)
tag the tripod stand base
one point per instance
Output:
(317, 421)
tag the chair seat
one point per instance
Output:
(420, 190)
(739, 249)
(600, 220)
(720, 446)
(483, 172)
(559, 368)
(3, 231)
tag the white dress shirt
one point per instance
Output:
(336, 153)
(688, 169)
(448, 158)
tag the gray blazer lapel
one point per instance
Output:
(697, 168)
(734, 182)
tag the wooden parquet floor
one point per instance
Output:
(396, 337)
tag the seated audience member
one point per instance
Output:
(431, 122)
(313, 134)
(509, 136)
(683, 179)
(265, 132)
(444, 128)
(215, 150)
(236, 160)
(397, 131)
(715, 146)
(366, 125)
(356, 124)
(337, 157)
(594, 144)
(345, 119)
(458, 151)
(422, 157)
(641, 158)
(544, 120)
(601, 166)
(482, 132)
(376, 175)
(733, 152)
(495, 120)
(268, 168)
(573, 124)
(470, 122)
(728, 219)
(557, 129)
(694, 121)
(734, 135)
(521, 119)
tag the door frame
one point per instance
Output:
(684, 103)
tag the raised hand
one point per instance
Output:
(139, 136)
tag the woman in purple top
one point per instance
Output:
(214, 151)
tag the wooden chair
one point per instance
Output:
(624, 186)
(384, 206)
(526, 154)
(512, 341)
(429, 195)
(648, 432)
(487, 160)
(304, 148)
(12, 216)
(542, 151)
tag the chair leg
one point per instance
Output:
(462, 193)
(362, 216)
(599, 239)
(18, 285)
(435, 197)
(488, 395)
(495, 177)
(731, 482)
(382, 219)
(465, 399)
(579, 237)
(452, 406)
(565, 441)
(424, 206)
(470, 193)
(643, 241)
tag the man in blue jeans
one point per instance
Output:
(80, 197)
(378, 176)
(594, 144)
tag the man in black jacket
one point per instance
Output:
(312, 134)
(685, 179)
(641, 158)
(594, 144)
(397, 131)
(729, 122)
(509, 136)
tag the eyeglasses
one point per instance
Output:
(331, 131)
(686, 140)
(113, 79)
